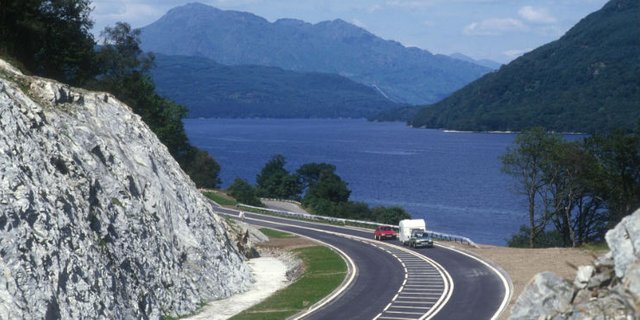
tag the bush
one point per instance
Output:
(546, 239)
(243, 192)
(390, 215)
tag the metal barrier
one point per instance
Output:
(307, 216)
(451, 237)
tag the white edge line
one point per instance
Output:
(353, 270)
(443, 272)
(505, 283)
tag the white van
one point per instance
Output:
(408, 226)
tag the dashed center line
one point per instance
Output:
(425, 289)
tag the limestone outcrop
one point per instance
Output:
(608, 289)
(96, 218)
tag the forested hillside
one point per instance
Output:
(406, 75)
(53, 39)
(210, 89)
(587, 81)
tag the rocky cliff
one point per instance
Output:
(96, 218)
(607, 289)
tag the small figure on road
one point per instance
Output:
(241, 215)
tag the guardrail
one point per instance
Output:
(451, 237)
(308, 216)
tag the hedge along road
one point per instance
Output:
(393, 282)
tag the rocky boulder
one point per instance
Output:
(247, 238)
(608, 289)
(96, 218)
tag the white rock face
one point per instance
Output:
(624, 241)
(96, 218)
(608, 289)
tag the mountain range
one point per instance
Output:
(213, 90)
(586, 81)
(483, 62)
(405, 75)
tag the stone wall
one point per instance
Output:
(608, 289)
(96, 218)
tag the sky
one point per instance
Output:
(499, 30)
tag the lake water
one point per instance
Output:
(453, 180)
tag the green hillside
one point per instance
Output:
(587, 81)
(405, 75)
(209, 89)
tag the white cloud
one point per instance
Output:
(514, 53)
(495, 26)
(409, 3)
(419, 4)
(536, 15)
(374, 8)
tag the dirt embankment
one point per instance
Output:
(522, 264)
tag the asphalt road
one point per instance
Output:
(395, 282)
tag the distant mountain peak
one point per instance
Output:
(201, 10)
(291, 22)
(483, 62)
(407, 75)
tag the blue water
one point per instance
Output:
(453, 180)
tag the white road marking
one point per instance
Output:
(411, 257)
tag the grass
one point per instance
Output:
(325, 271)
(221, 198)
(596, 246)
(275, 233)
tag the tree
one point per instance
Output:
(51, 38)
(243, 192)
(618, 155)
(580, 187)
(526, 161)
(390, 215)
(331, 188)
(202, 169)
(123, 70)
(571, 179)
(276, 182)
(311, 173)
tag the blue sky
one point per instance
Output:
(499, 30)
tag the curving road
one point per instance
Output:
(393, 282)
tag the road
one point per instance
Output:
(393, 282)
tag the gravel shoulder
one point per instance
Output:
(522, 264)
(274, 270)
(283, 205)
(270, 276)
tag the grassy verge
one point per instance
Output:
(221, 198)
(225, 200)
(325, 271)
(596, 246)
(276, 234)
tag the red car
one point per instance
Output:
(384, 232)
